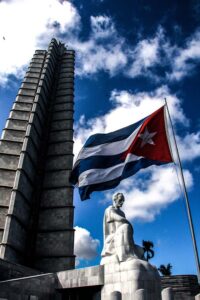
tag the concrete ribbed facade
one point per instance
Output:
(36, 153)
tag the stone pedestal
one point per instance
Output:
(133, 279)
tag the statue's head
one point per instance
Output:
(118, 200)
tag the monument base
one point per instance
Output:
(120, 281)
(133, 279)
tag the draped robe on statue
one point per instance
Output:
(118, 235)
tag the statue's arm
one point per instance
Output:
(113, 216)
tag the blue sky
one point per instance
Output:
(129, 57)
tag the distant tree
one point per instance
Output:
(165, 270)
(148, 252)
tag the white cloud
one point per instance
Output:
(159, 51)
(85, 246)
(93, 57)
(103, 50)
(185, 59)
(22, 25)
(144, 200)
(102, 26)
(189, 146)
(145, 55)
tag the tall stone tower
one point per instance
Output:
(36, 152)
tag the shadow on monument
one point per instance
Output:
(89, 293)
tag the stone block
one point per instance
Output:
(64, 99)
(35, 64)
(22, 106)
(57, 197)
(67, 58)
(49, 66)
(47, 80)
(23, 184)
(81, 277)
(1, 234)
(13, 135)
(16, 124)
(62, 162)
(27, 165)
(48, 70)
(35, 70)
(26, 99)
(5, 194)
(16, 235)
(40, 93)
(64, 106)
(36, 59)
(7, 178)
(9, 162)
(3, 214)
(66, 75)
(32, 133)
(32, 74)
(57, 179)
(21, 208)
(44, 84)
(58, 243)
(26, 92)
(19, 115)
(10, 147)
(33, 80)
(40, 53)
(61, 125)
(68, 63)
(38, 110)
(65, 80)
(65, 92)
(67, 70)
(54, 264)
(29, 86)
(66, 86)
(60, 148)
(56, 218)
(30, 147)
(63, 115)
(61, 136)
(42, 102)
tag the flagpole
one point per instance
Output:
(186, 198)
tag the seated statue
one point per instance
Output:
(118, 233)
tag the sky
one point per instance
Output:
(130, 56)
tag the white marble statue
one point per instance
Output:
(118, 233)
(126, 274)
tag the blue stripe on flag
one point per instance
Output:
(96, 162)
(130, 169)
(118, 135)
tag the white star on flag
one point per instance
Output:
(147, 137)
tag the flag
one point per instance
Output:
(106, 159)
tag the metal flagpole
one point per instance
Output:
(186, 198)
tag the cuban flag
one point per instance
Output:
(106, 159)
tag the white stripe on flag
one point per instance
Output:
(94, 176)
(109, 148)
